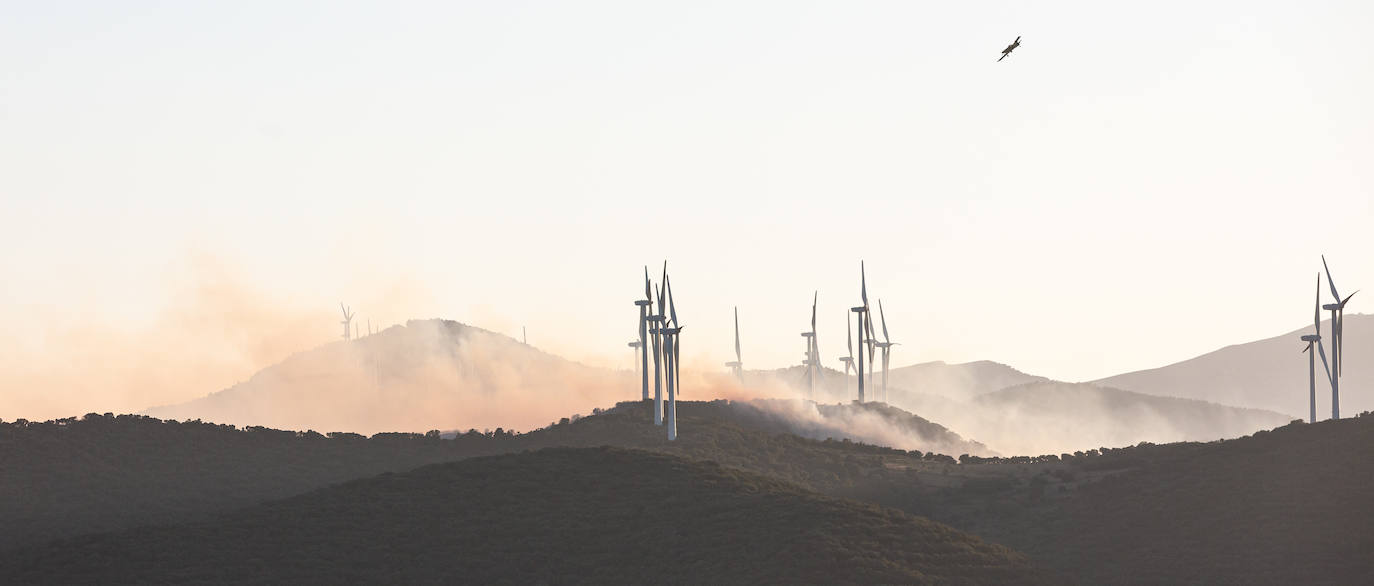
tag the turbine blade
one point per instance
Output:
(1334, 294)
(863, 284)
(1321, 351)
(1317, 307)
(1347, 298)
(737, 356)
(648, 293)
(1305, 349)
(672, 309)
(884, 320)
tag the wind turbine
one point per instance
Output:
(523, 338)
(347, 321)
(870, 340)
(862, 310)
(1337, 339)
(635, 345)
(812, 358)
(886, 345)
(737, 366)
(848, 360)
(672, 353)
(1311, 358)
(643, 305)
(656, 328)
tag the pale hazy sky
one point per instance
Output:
(1135, 185)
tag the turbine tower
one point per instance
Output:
(643, 305)
(1337, 338)
(737, 366)
(862, 310)
(347, 322)
(848, 360)
(886, 346)
(1311, 356)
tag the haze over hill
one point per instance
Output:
(1267, 374)
(427, 374)
(433, 374)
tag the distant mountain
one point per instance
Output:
(428, 374)
(957, 381)
(1267, 374)
(593, 516)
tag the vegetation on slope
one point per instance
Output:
(559, 515)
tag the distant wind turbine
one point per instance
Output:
(347, 321)
(862, 310)
(643, 305)
(812, 361)
(672, 352)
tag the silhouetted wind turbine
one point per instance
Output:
(347, 321)
(862, 310)
(643, 305)
(672, 352)
(812, 358)
(1311, 356)
(1337, 338)
(1010, 48)
(737, 366)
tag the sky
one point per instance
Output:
(188, 190)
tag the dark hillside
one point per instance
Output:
(594, 516)
(101, 473)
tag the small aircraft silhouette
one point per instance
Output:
(1010, 48)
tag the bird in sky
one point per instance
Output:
(1010, 48)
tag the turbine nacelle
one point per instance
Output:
(1311, 338)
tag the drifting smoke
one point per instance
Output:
(1053, 418)
(427, 374)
